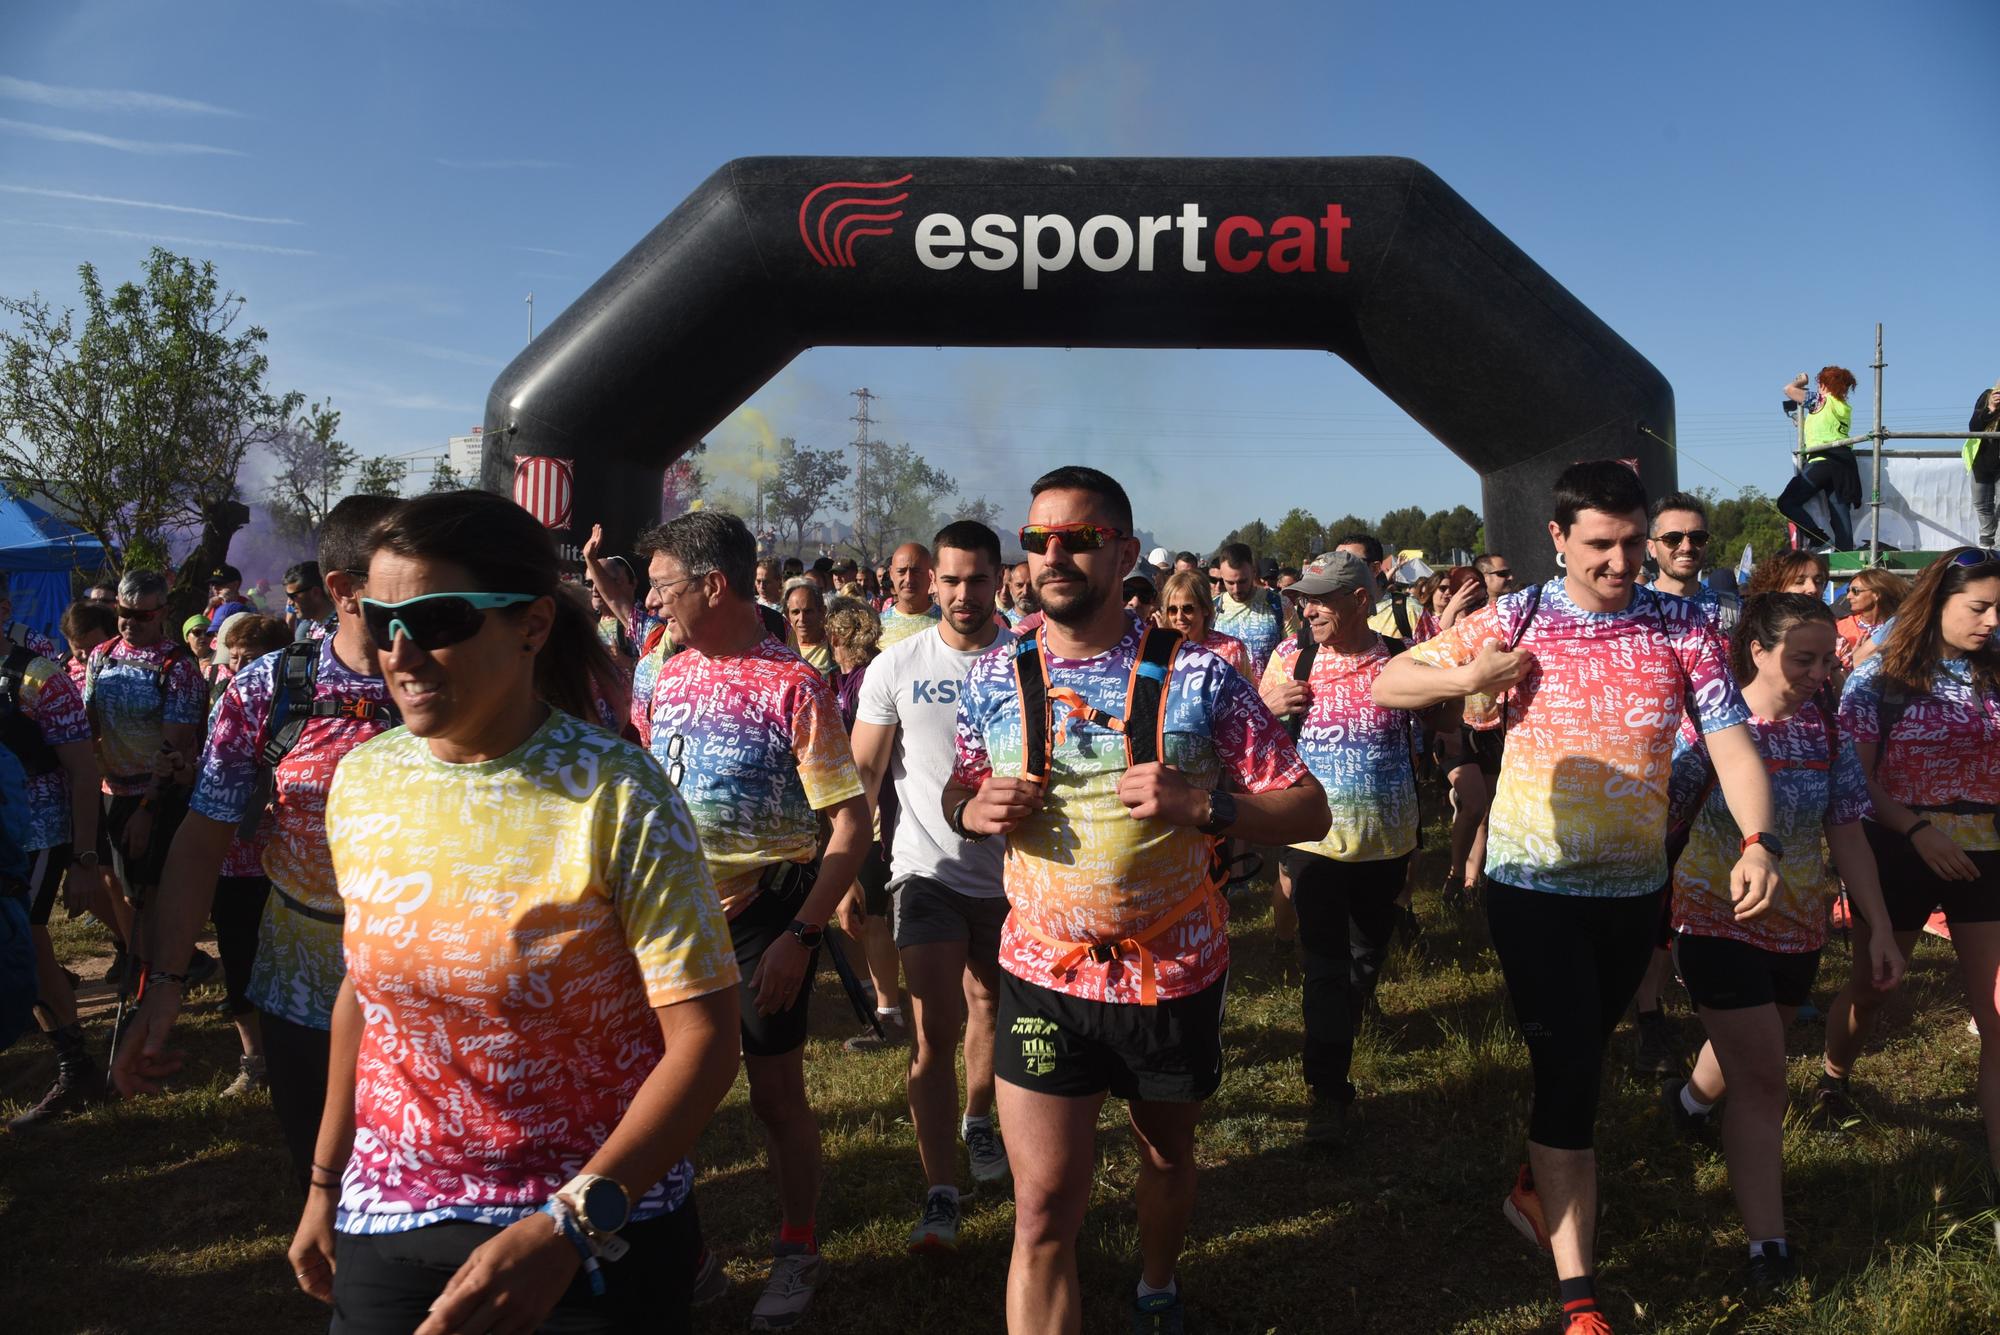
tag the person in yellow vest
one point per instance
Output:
(1826, 468)
(1982, 460)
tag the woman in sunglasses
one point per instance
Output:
(1186, 605)
(1924, 713)
(539, 1014)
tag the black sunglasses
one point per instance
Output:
(1697, 537)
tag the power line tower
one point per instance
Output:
(864, 446)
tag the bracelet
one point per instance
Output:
(162, 976)
(567, 1227)
(957, 822)
(1921, 824)
(328, 1169)
(317, 1185)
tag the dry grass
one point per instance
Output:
(173, 1214)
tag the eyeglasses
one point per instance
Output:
(435, 620)
(139, 614)
(676, 767)
(1181, 610)
(666, 590)
(1499, 574)
(1696, 537)
(1035, 538)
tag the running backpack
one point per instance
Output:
(18, 732)
(293, 706)
(1143, 726)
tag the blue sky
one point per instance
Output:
(1740, 190)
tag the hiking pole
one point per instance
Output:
(852, 984)
(134, 960)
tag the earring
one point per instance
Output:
(1562, 561)
(527, 648)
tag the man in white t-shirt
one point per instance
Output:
(949, 902)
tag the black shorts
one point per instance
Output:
(1911, 891)
(1724, 974)
(144, 870)
(1054, 1043)
(930, 912)
(1486, 745)
(386, 1282)
(874, 879)
(752, 933)
(46, 869)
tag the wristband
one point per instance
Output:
(317, 1185)
(567, 1227)
(957, 822)
(1921, 824)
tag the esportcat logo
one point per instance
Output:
(832, 218)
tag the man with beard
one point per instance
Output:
(1114, 956)
(1026, 604)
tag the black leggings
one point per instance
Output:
(238, 908)
(1572, 964)
(386, 1282)
(1347, 915)
(295, 1059)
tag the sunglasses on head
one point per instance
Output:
(1697, 537)
(1035, 538)
(138, 613)
(1975, 556)
(435, 620)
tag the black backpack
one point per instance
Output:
(1144, 717)
(19, 733)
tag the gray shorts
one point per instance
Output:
(929, 912)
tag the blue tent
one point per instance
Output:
(37, 553)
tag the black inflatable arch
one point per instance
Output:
(1374, 259)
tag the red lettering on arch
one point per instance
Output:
(1335, 224)
(1294, 253)
(1229, 227)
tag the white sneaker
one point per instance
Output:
(983, 1147)
(795, 1277)
(937, 1231)
(249, 1077)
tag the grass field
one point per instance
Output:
(172, 1214)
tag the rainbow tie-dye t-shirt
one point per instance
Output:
(1230, 650)
(1082, 869)
(1807, 796)
(131, 694)
(510, 928)
(1359, 752)
(1581, 805)
(755, 745)
(1943, 750)
(297, 969)
(899, 626)
(1259, 623)
(50, 700)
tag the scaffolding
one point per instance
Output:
(1874, 440)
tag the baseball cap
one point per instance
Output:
(225, 574)
(1159, 558)
(1332, 572)
(193, 623)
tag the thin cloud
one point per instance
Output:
(499, 164)
(203, 243)
(105, 99)
(438, 352)
(155, 147)
(79, 196)
(544, 250)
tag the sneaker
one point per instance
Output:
(988, 1155)
(1656, 1046)
(1831, 1102)
(1523, 1209)
(1771, 1269)
(937, 1231)
(795, 1277)
(711, 1281)
(1687, 1124)
(77, 1086)
(1326, 1122)
(116, 973)
(249, 1077)
(1587, 1323)
(1157, 1314)
(895, 1034)
(201, 968)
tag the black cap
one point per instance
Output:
(224, 574)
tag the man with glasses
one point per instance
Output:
(751, 736)
(306, 591)
(1679, 547)
(1113, 955)
(332, 690)
(1497, 572)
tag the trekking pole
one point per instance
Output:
(135, 960)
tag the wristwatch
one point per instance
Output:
(1221, 812)
(85, 858)
(600, 1208)
(1769, 841)
(807, 934)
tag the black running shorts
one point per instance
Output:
(930, 912)
(1486, 745)
(1054, 1043)
(1911, 891)
(1724, 974)
(752, 933)
(46, 869)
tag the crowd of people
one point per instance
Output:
(509, 877)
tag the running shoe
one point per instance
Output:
(201, 968)
(1587, 1323)
(1832, 1103)
(116, 973)
(249, 1077)
(711, 1281)
(78, 1085)
(895, 1034)
(1686, 1124)
(1523, 1209)
(1771, 1269)
(937, 1231)
(1656, 1045)
(1326, 1122)
(1157, 1314)
(988, 1154)
(788, 1295)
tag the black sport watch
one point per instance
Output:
(807, 934)
(1221, 812)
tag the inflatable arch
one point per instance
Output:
(1374, 259)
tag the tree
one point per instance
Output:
(806, 482)
(136, 423)
(1256, 535)
(1458, 529)
(1297, 539)
(1346, 525)
(1402, 528)
(980, 511)
(380, 477)
(901, 494)
(312, 460)
(1748, 517)
(445, 478)
(683, 482)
